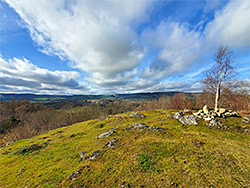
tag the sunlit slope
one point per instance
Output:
(168, 155)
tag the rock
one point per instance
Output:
(245, 120)
(221, 110)
(214, 114)
(82, 154)
(178, 115)
(156, 128)
(137, 114)
(106, 134)
(76, 174)
(170, 116)
(139, 125)
(218, 114)
(207, 118)
(111, 143)
(94, 155)
(189, 120)
(196, 114)
(9, 143)
(205, 109)
(104, 118)
(114, 128)
(231, 114)
(215, 123)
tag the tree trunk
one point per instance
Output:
(217, 97)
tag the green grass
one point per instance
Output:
(183, 156)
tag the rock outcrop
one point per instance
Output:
(189, 120)
(186, 120)
(139, 125)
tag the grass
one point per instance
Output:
(176, 156)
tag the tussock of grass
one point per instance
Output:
(176, 155)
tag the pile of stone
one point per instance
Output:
(208, 115)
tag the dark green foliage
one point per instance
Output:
(29, 149)
(8, 124)
(145, 161)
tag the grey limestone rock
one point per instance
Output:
(94, 155)
(76, 174)
(82, 154)
(111, 143)
(246, 119)
(137, 114)
(215, 123)
(104, 118)
(139, 125)
(178, 115)
(106, 134)
(205, 109)
(9, 143)
(189, 120)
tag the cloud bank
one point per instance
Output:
(102, 40)
(20, 74)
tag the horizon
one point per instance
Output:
(98, 94)
(122, 47)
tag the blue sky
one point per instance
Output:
(105, 47)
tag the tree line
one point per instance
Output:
(21, 119)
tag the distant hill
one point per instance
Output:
(149, 149)
(61, 98)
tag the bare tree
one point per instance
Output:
(220, 74)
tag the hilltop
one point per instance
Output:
(145, 149)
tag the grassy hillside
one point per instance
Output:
(172, 155)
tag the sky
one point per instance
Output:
(118, 46)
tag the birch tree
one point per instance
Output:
(220, 74)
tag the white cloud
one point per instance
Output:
(178, 46)
(100, 39)
(213, 4)
(231, 25)
(95, 36)
(20, 73)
